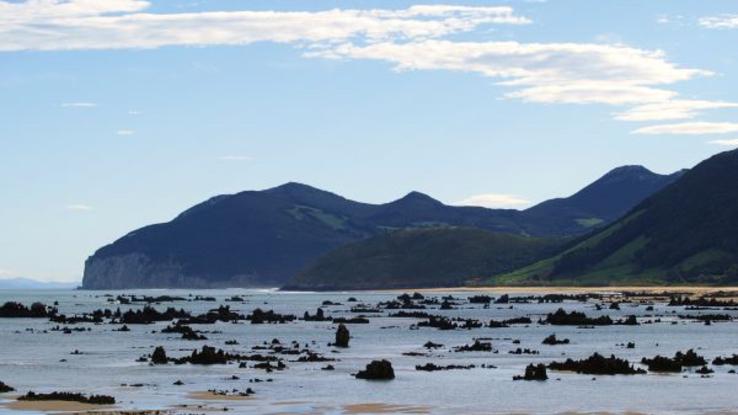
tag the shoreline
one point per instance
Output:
(513, 289)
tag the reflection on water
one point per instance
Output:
(33, 358)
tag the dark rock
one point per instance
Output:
(342, 336)
(732, 360)
(552, 340)
(260, 316)
(478, 346)
(377, 370)
(523, 351)
(662, 364)
(5, 388)
(68, 396)
(18, 310)
(431, 345)
(150, 315)
(431, 367)
(534, 372)
(575, 318)
(704, 370)
(159, 357)
(480, 299)
(319, 316)
(597, 365)
(353, 320)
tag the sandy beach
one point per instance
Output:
(57, 406)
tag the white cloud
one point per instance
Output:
(690, 128)
(79, 207)
(494, 200)
(111, 24)
(727, 143)
(235, 158)
(570, 73)
(78, 105)
(725, 21)
(125, 132)
(671, 110)
(410, 39)
(134, 112)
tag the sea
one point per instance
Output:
(35, 358)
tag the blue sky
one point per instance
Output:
(120, 113)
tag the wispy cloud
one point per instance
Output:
(80, 207)
(235, 158)
(85, 24)
(676, 109)
(724, 21)
(494, 200)
(125, 132)
(727, 143)
(690, 128)
(563, 73)
(78, 105)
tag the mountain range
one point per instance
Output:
(266, 238)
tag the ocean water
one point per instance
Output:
(32, 358)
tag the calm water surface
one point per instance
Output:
(32, 359)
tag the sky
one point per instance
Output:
(115, 114)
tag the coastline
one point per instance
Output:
(515, 289)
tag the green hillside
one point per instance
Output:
(687, 233)
(421, 258)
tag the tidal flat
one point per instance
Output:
(605, 350)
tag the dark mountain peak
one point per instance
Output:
(294, 188)
(416, 198)
(628, 170)
(628, 174)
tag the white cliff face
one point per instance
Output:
(137, 270)
(128, 271)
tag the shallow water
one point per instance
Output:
(31, 360)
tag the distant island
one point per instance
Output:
(280, 236)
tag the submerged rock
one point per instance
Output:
(377, 370)
(533, 372)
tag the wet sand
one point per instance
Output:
(212, 396)
(383, 408)
(55, 406)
